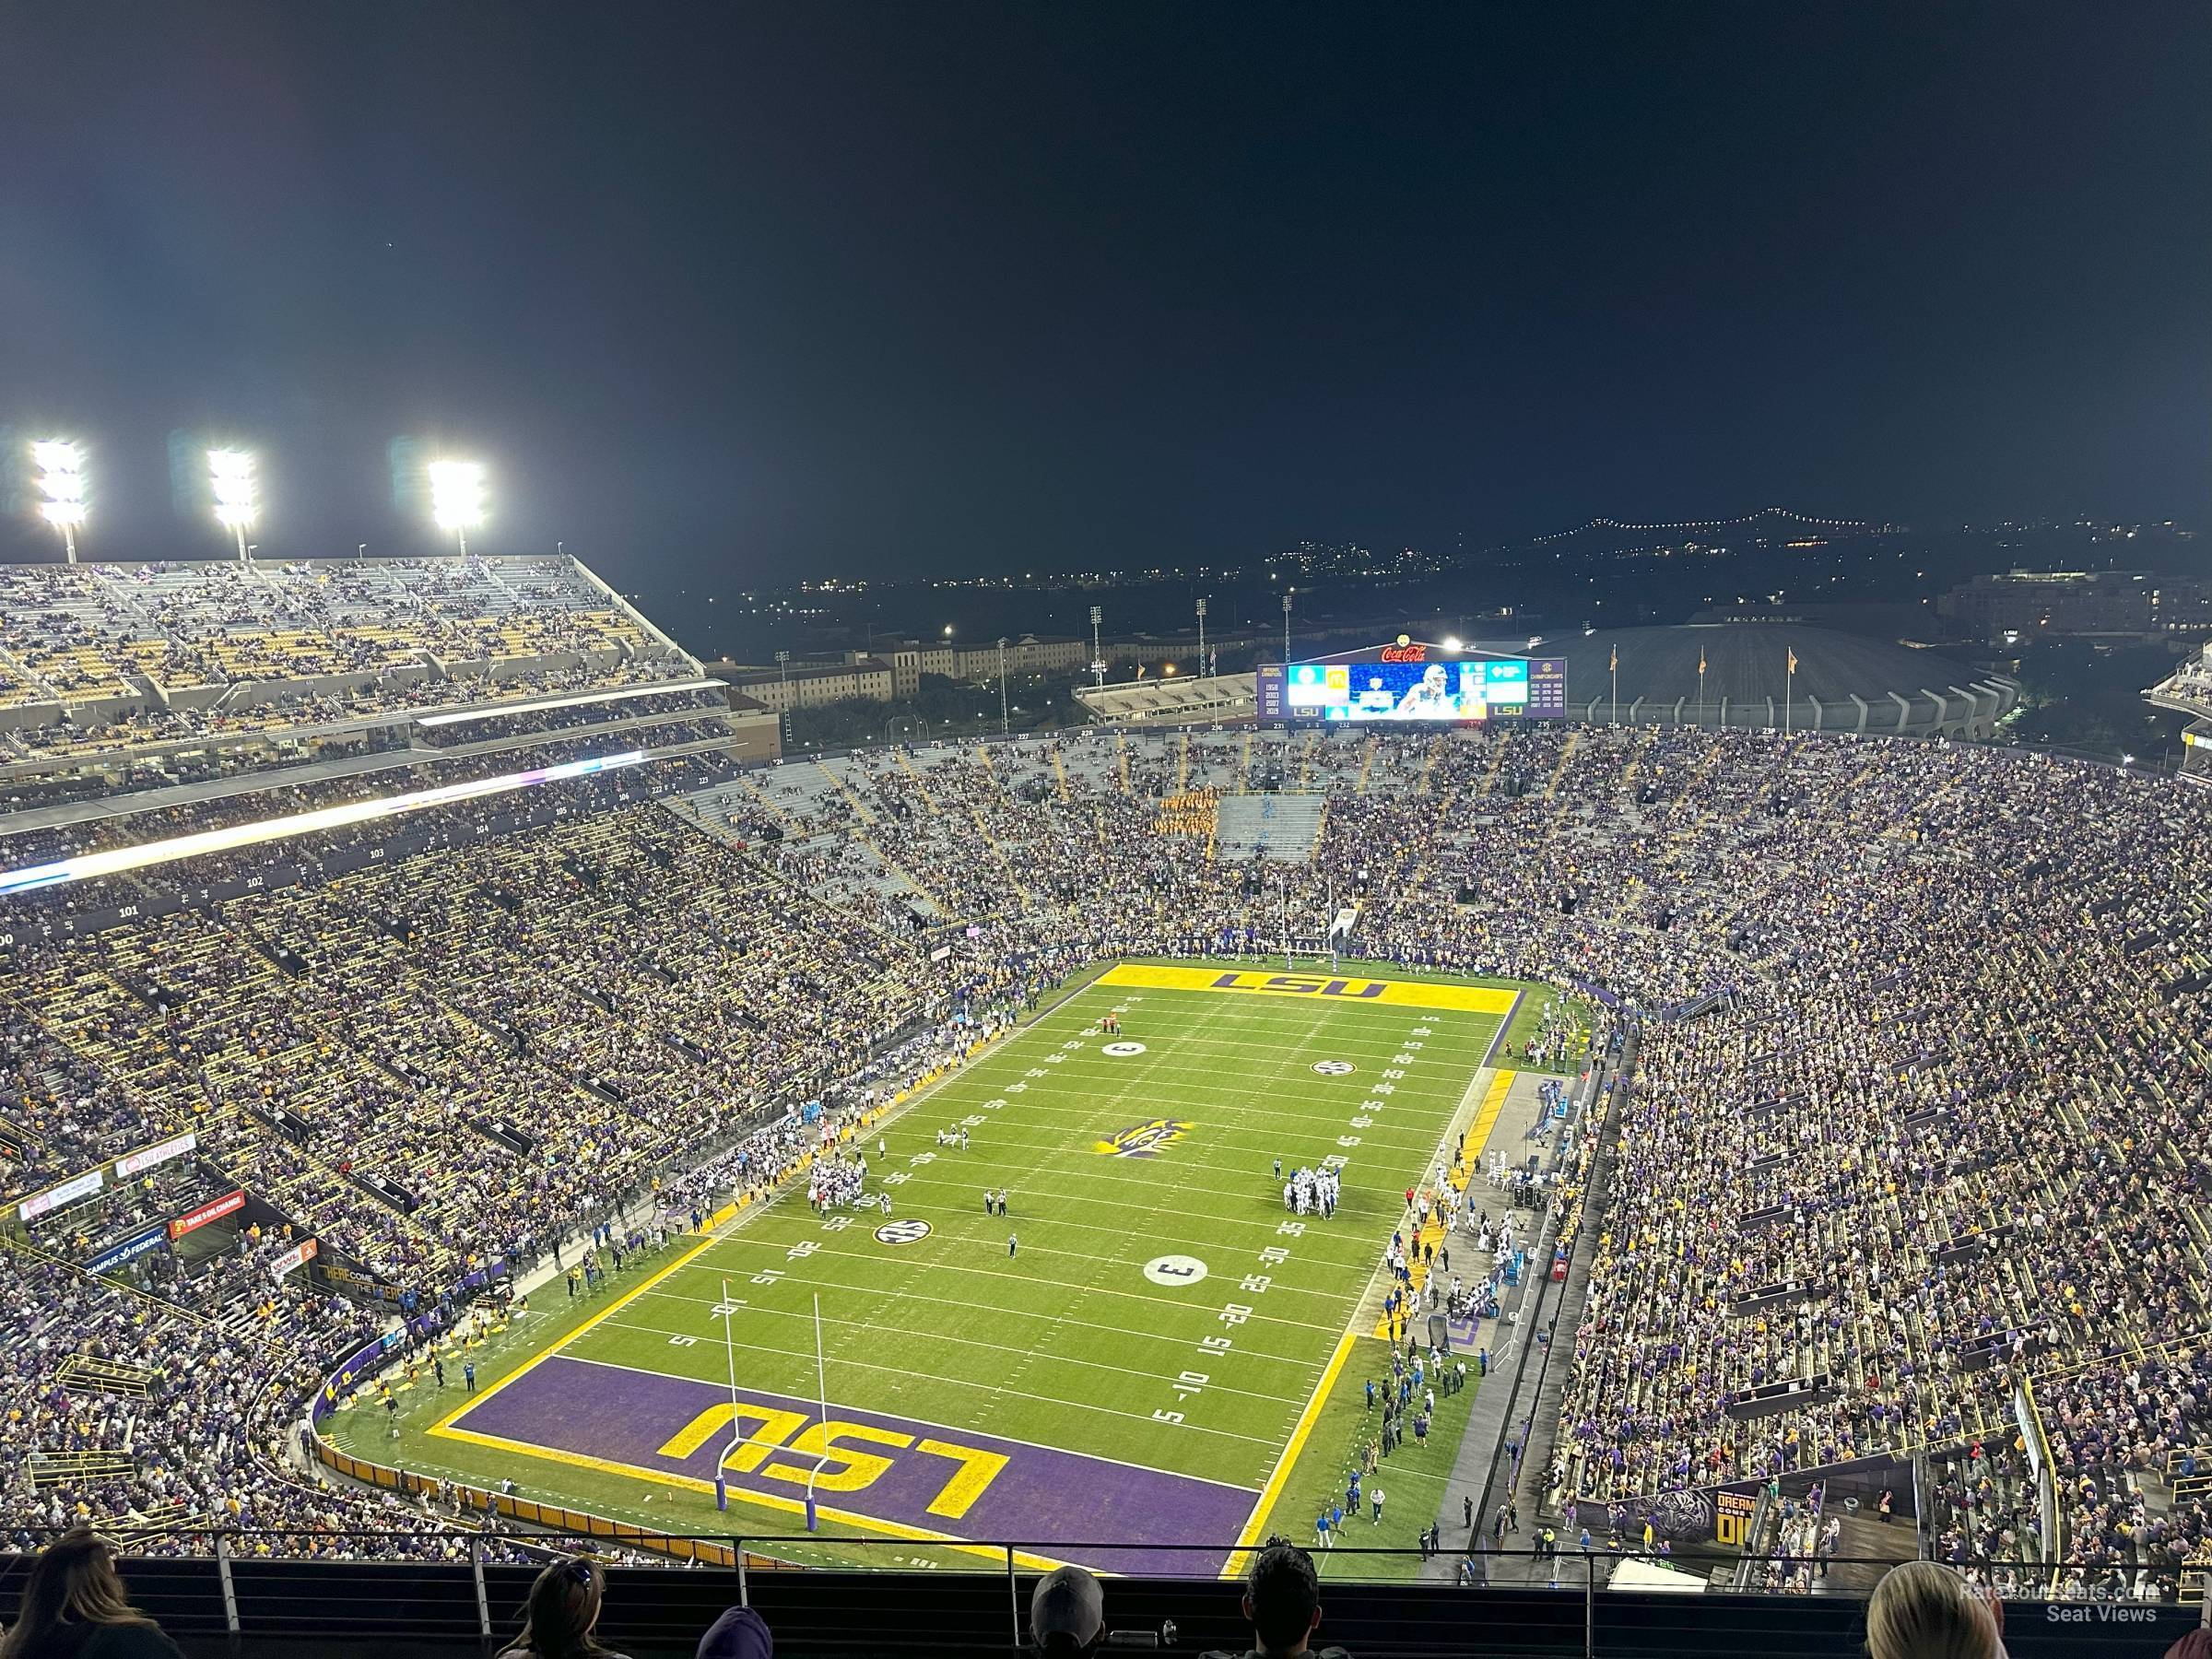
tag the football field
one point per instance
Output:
(1136, 1354)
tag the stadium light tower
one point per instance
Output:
(236, 498)
(1201, 636)
(1002, 685)
(61, 465)
(458, 497)
(1098, 657)
(1286, 593)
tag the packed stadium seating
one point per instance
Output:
(78, 631)
(1919, 1116)
(116, 680)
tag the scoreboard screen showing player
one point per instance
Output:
(1412, 682)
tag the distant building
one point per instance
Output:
(910, 661)
(781, 691)
(1032, 653)
(2021, 605)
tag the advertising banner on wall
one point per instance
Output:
(298, 1256)
(138, 1163)
(214, 1210)
(69, 1192)
(154, 1238)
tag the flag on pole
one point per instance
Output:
(1700, 659)
(1616, 662)
(1793, 662)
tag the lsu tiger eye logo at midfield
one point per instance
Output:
(1144, 1139)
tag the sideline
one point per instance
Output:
(1255, 1526)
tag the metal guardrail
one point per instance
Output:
(242, 1587)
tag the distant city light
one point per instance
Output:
(458, 497)
(60, 484)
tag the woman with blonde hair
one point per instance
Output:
(562, 1612)
(1925, 1610)
(75, 1608)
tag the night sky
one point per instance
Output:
(747, 293)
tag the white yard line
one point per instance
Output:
(1229, 1118)
(953, 1381)
(904, 1204)
(798, 1356)
(656, 1293)
(944, 1267)
(1147, 1087)
(1294, 1447)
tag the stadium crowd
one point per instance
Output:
(1920, 1111)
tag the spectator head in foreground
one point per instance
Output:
(1925, 1610)
(1068, 1612)
(562, 1613)
(75, 1608)
(1282, 1598)
(739, 1634)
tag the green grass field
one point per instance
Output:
(1090, 1390)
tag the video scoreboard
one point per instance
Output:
(1412, 681)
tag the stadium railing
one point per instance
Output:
(240, 1602)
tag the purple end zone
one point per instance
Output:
(1040, 1500)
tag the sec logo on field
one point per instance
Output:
(1334, 1068)
(1121, 1051)
(902, 1232)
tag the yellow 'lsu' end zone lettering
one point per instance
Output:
(845, 1470)
(1401, 993)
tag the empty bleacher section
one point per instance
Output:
(1281, 826)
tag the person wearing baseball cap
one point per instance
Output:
(1068, 1612)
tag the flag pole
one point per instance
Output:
(1615, 671)
(1789, 691)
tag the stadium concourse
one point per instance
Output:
(1912, 1162)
